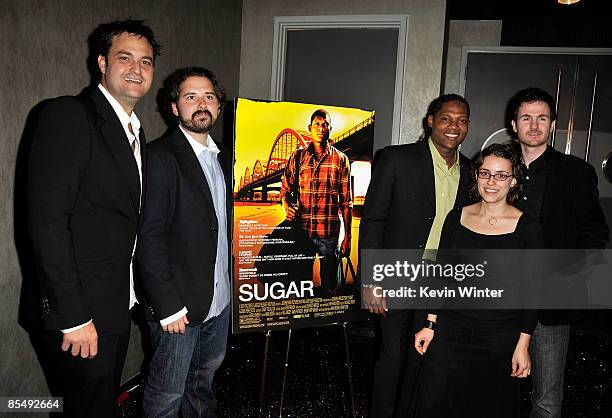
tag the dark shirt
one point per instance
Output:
(527, 235)
(562, 193)
(534, 182)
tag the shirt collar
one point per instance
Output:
(439, 161)
(541, 160)
(124, 118)
(311, 149)
(199, 148)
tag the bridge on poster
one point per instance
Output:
(261, 181)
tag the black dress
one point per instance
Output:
(467, 367)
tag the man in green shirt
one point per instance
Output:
(413, 187)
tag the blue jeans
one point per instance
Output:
(182, 369)
(327, 248)
(548, 351)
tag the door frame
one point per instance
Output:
(465, 50)
(284, 24)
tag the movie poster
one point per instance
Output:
(301, 173)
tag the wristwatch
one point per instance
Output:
(367, 286)
(430, 324)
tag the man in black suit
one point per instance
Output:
(84, 195)
(184, 251)
(560, 190)
(412, 189)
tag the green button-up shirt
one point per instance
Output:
(446, 183)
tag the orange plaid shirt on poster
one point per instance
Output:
(324, 189)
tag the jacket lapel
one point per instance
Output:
(224, 158)
(464, 178)
(426, 173)
(117, 141)
(224, 161)
(143, 158)
(558, 186)
(192, 169)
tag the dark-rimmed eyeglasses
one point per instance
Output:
(485, 175)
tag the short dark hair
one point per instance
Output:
(171, 89)
(530, 95)
(508, 152)
(435, 106)
(322, 113)
(102, 37)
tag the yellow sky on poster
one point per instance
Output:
(259, 123)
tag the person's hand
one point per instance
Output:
(422, 339)
(290, 211)
(373, 303)
(177, 326)
(521, 362)
(345, 247)
(84, 341)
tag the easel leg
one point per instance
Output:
(263, 375)
(348, 369)
(280, 410)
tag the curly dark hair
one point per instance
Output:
(508, 152)
(171, 88)
(435, 106)
(101, 39)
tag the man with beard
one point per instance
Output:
(183, 252)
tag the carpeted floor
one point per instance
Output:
(317, 378)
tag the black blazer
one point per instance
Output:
(571, 215)
(400, 204)
(177, 246)
(83, 212)
(571, 218)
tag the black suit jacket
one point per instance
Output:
(571, 218)
(83, 212)
(571, 215)
(400, 204)
(177, 247)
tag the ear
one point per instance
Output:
(430, 121)
(514, 126)
(513, 182)
(102, 64)
(219, 110)
(174, 109)
(309, 127)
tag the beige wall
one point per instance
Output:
(423, 63)
(467, 33)
(43, 54)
